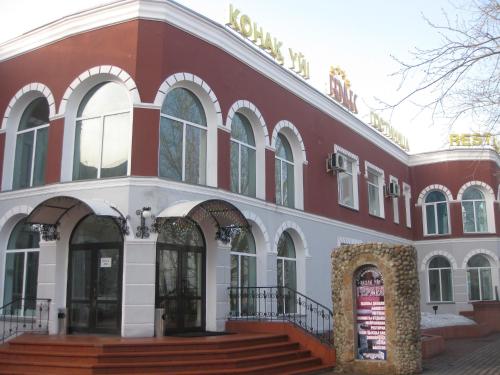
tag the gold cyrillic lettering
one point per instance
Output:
(246, 25)
(258, 34)
(233, 18)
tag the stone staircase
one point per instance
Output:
(239, 353)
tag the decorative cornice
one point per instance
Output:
(457, 154)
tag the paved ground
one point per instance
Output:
(479, 356)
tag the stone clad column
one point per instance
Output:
(223, 282)
(139, 278)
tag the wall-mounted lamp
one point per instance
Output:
(143, 230)
(435, 308)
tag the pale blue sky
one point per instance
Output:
(358, 35)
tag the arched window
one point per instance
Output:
(243, 150)
(183, 138)
(436, 218)
(31, 145)
(474, 214)
(287, 274)
(21, 270)
(243, 273)
(102, 137)
(479, 280)
(284, 176)
(440, 285)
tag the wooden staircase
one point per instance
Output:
(239, 353)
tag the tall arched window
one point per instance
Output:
(436, 216)
(31, 145)
(21, 270)
(440, 285)
(284, 176)
(243, 273)
(474, 214)
(287, 274)
(243, 179)
(183, 138)
(479, 280)
(102, 137)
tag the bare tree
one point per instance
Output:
(461, 77)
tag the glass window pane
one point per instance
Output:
(486, 285)
(235, 162)
(80, 274)
(373, 177)
(242, 130)
(277, 182)
(481, 217)
(105, 98)
(171, 149)
(23, 158)
(247, 171)
(446, 285)
(107, 277)
(288, 186)
(42, 140)
(431, 219)
(279, 270)
(473, 281)
(96, 229)
(468, 216)
(478, 260)
(36, 114)
(442, 216)
(283, 149)
(373, 200)
(346, 188)
(472, 193)
(23, 237)
(116, 145)
(87, 149)
(183, 104)
(31, 280)
(243, 242)
(196, 155)
(14, 276)
(180, 232)
(286, 247)
(435, 196)
(439, 262)
(434, 287)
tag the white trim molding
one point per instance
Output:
(347, 240)
(284, 124)
(489, 253)
(18, 210)
(430, 188)
(485, 187)
(294, 227)
(251, 216)
(348, 154)
(245, 106)
(39, 89)
(113, 72)
(432, 254)
(456, 154)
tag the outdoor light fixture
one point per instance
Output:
(143, 230)
(435, 308)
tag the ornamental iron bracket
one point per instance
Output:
(226, 234)
(122, 224)
(48, 232)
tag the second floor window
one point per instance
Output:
(31, 145)
(436, 213)
(474, 211)
(243, 179)
(183, 138)
(284, 174)
(375, 193)
(347, 185)
(103, 133)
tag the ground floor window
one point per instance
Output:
(21, 270)
(287, 275)
(440, 286)
(243, 274)
(479, 278)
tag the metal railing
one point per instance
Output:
(282, 304)
(24, 315)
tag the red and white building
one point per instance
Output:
(144, 107)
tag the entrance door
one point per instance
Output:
(94, 280)
(180, 279)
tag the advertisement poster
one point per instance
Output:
(370, 314)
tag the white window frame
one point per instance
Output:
(439, 269)
(35, 130)
(380, 186)
(395, 201)
(240, 255)
(407, 198)
(479, 269)
(434, 204)
(354, 173)
(474, 202)
(284, 161)
(185, 124)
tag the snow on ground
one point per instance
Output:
(429, 320)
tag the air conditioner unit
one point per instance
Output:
(335, 162)
(392, 190)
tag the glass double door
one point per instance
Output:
(181, 287)
(94, 289)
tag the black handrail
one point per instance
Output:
(273, 303)
(24, 315)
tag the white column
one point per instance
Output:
(139, 269)
(222, 282)
(46, 288)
